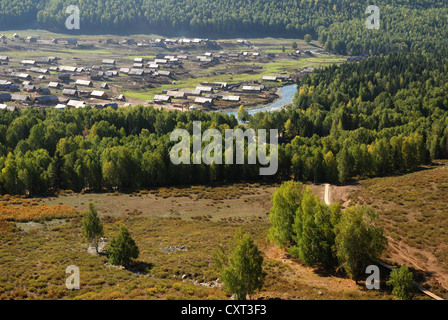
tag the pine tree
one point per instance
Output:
(56, 171)
(241, 270)
(122, 249)
(92, 228)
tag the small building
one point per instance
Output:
(85, 83)
(6, 107)
(153, 66)
(105, 86)
(29, 88)
(160, 61)
(47, 99)
(13, 87)
(231, 98)
(136, 72)
(39, 70)
(43, 91)
(176, 94)
(21, 98)
(99, 95)
(205, 89)
(76, 104)
(270, 78)
(70, 92)
(4, 97)
(111, 73)
(67, 69)
(284, 77)
(162, 99)
(204, 101)
(215, 85)
(28, 62)
(109, 61)
(48, 60)
(164, 73)
(4, 59)
(19, 75)
(192, 92)
(253, 88)
(54, 85)
(60, 106)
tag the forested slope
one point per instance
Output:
(381, 116)
(338, 23)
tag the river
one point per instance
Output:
(286, 97)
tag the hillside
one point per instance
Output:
(413, 210)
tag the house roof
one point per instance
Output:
(231, 98)
(83, 82)
(161, 98)
(176, 94)
(76, 103)
(20, 97)
(97, 93)
(44, 99)
(202, 100)
(54, 84)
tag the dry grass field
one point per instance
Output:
(34, 254)
(414, 212)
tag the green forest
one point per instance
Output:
(339, 24)
(382, 116)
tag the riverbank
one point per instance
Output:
(285, 97)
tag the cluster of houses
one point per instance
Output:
(46, 82)
(196, 95)
(19, 89)
(206, 94)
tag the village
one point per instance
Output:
(167, 73)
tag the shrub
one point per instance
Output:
(122, 249)
(402, 282)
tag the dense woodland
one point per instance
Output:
(339, 24)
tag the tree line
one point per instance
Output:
(381, 116)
